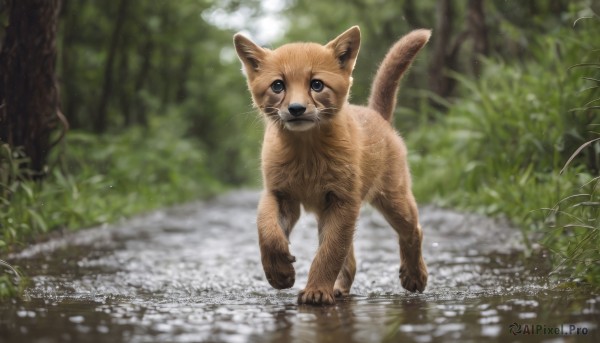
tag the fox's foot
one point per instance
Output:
(339, 290)
(279, 269)
(414, 278)
(316, 296)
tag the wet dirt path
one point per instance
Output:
(193, 274)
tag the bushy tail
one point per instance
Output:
(396, 62)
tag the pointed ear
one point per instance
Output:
(345, 47)
(249, 53)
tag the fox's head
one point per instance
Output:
(300, 85)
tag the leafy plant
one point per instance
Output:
(574, 232)
(498, 150)
(574, 222)
(10, 285)
(102, 179)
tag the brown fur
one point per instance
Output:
(330, 158)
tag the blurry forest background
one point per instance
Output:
(111, 108)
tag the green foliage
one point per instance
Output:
(574, 231)
(12, 282)
(499, 149)
(102, 179)
(168, 59)
(574, 221)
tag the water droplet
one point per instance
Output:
(76, 319)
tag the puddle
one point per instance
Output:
(193, 274)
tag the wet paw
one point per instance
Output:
(339, 291)
(316, 296)
(279, 270)
(414, 279)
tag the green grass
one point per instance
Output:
(500, 148)
(95, 180)
(573, 232)
(12, 281)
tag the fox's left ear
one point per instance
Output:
(345, 47)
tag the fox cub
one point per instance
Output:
(329, 156)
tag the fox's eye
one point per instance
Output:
(316, 85)
(277, 86)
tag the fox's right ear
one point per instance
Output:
(249, 53)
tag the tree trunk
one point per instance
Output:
(124, 88)
(101, 119)
(411, 14)
(167, 66)
(71, 96)
(29, 105)
(439, 82)
(477, 31)
(445, 51)
(140, 81)
(184, 71)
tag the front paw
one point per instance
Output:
(279, 269)
(316, 296)
(414, 278)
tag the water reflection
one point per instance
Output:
(357, 319)
(193, 274)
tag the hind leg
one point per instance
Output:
(400, 210)
(346, 276)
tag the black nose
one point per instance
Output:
(296, 109)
